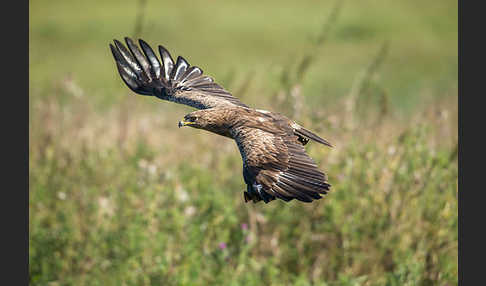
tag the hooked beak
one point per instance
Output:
(184, 123)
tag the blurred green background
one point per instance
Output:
(118, 195)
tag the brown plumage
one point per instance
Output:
(275, 164)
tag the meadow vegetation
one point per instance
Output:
(118, 195)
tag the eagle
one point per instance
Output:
(275, 163)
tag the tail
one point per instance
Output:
(302, 132)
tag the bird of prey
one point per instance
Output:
(275, 164)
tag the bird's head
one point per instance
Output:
(203, 119)
(190, 120)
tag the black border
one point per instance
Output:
(471, 122)
(15, 140)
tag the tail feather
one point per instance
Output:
(301, 131)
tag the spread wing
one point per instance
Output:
(181, 83)
(275, 165)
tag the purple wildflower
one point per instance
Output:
(222, 245)
(244, 226)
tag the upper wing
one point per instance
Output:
(179, 82)
(275, 165)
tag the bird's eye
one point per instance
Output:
(191, 118)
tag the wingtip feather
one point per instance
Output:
(141, 69)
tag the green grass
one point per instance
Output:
(118, 195)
